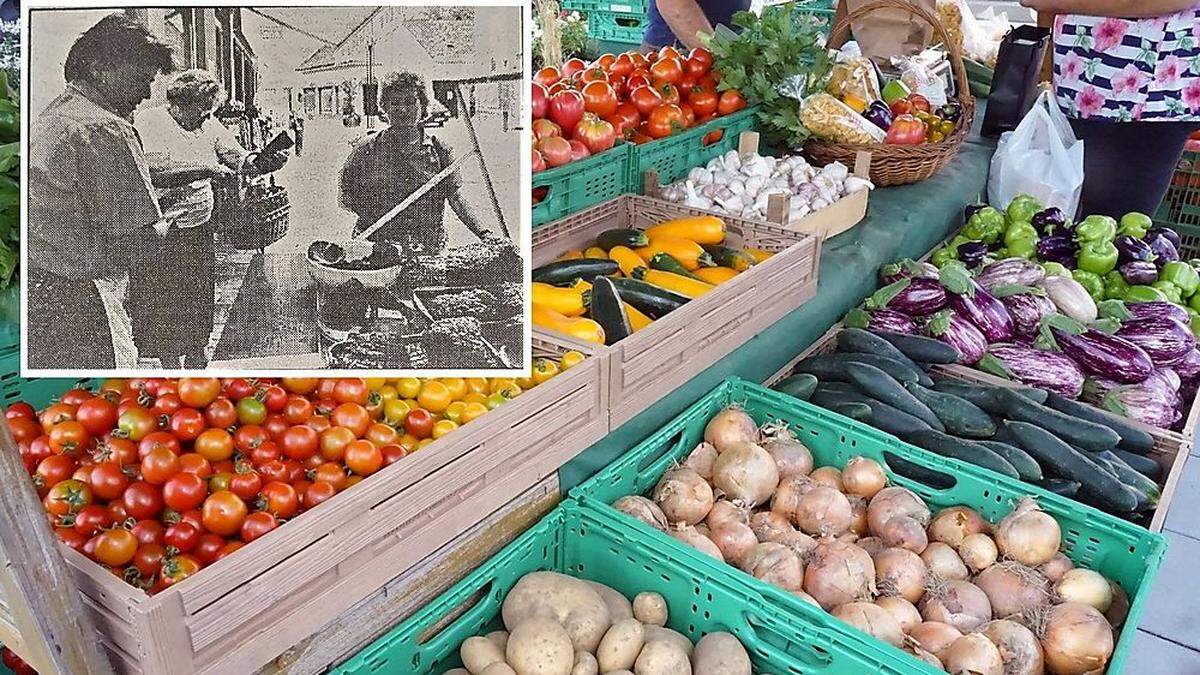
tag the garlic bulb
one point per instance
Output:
(835, 170)
(700, 176)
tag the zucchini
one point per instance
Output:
(799, 386)
(563, 272)
(958, 415)
(920, 348)
(608, 311)
(983, 397)
(860, 412)
(859, 340)
(1025, 465)
(1059, 486)
(966, 451)
(879, 385)
(1130, 476)
(913, 471)
(626, 258)
(624, 236)
(883, 416)
(655, 302)
(1143, 465)
(1133, 438)
(902, 372)
(733, 258)
(666, 262)
(1087, 435)
(833, 366)
(1064, 461)
(670, 281)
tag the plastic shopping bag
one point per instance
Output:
(1041, 157)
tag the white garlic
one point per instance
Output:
(737, 185)
(855, 184)
(732, 160)
(819, 203)
(700, 176)
(835, 170)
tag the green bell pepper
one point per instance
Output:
(1169, 290)
(1054, 269)
(1140, 293)
(1098, 257)
(1091, 282)
(1182, 275)
(1134, 224)
(1114, 285)
(1195, 325)
(1020, 231)
(943, 255)
(1096, 228)
(985, 225)
(1022, 248)
(1022, 208)
(1194, 302)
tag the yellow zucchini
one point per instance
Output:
(675, 282)
(758, 254)
(700, 229)
(571, 255)
(716, 275)
(627, 258)
(637, 320)
(689, 254)
(578, 327)
(595, 252)
(581, 285)
(565, 301)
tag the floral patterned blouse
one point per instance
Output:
(1125, 70)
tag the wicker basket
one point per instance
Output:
(901, 164)
(255, 213)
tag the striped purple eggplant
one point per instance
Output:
(915, 297)
(987, 313)
(1165, 380)
(1164, 339)
(1189, 366)
(1027, 311)
(1106, 355)
(1144, 404)
(1010, 272)
(880, 319)
(1156, 309)
(1047, 370)
(1096, 388)
(959, 333)
(905, 269)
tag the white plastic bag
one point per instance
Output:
(1041, 157)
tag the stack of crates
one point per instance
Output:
(1180, 208)
(620, 22)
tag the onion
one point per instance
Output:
(904, 612)
(1018, 646)
(807, 598)
(858, 515)
(731, 426)
(904, 532)
(1056, 567)
(775, 564)
(934, 636)
(1076, 639)
(925, 656)
(791, 456)
(692, 537)
(1013, 588)
(773, 527)
(684, 496)
(943, 562)
(745, 472)
(951, 525)
(725, 511)
(978, 551)
(827, 476)
(735, 540)
(1119, 609)
(958, 603)
(838, 573)
(863, 476)
(1086, 586)
(872, 620)
(900, 572)
(973, 654)
(786, 500)
(1028, 534)
(823, 511)
(642, 509)
(872, 545)
(701, 460)
(895, 501)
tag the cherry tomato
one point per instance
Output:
(183, 536)
(382, 434)
(298, 410)
(221, 413)
(392, 454)
(703, 101)
(280, 499)
(300, 442)
(731, 101)
(334, 442)
(91, 519)
(274, 471)
(24, 430)
(177, 568)
(136, 423)
(156, 440)
(53, 470)
(20, 409)
(224, 513)
(194, 516)
(219, 481)
(98, 415)
(198, 392)
(363, 458)
(238, 388)
(332, 473)
(264, 453)
(116, 510)
(646, 99)
(190, 462)
(68, 438)
(108, 480)
(318, 492)
(71, 537)
(275, 398)
(419, 423)
(208, 547)
(187, 424)
(67, 497)
(142, 500)
(275, 425)
(120, 450)
(59, 412)
(115, 547)
(251, 411)
(230, 547)
(214, 445)
(352, 416)
(257, 524)
(148, 531)
(245, 482)
(184, 491)
(300, 385)
(166, 405)
(159, 465)
(148, 558)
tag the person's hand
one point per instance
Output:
(161, 228)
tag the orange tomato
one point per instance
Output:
(477, 385)
(471, 411)
(434, 397)
(457, 387)
(363, 458)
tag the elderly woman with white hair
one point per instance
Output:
(171, 298)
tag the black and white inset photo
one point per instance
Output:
(265, 189)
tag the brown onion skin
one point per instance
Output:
(828, 476)
(775, 564)
(904, 612)
(934, 636)
(735, 540)
(1013, 588)
(731, 425)
(950, 525)
(838, 573)
(864, 477)
(1076, 639)
(943, 561)
(684, 496)
(904, 532)
(901, 572)
(958, 603)
(1028, 535)
(823, 511)
(872, 620)
(895, 501)
(975, 654)
(744, 472)
(1056, 567)
(1019, 648)
(791, 456)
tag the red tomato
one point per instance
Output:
(221, 413)
(148, 531)
(68, 438)
(540, 99)
(595, 133)
(334, 441)
(281, 499)
(71, 537)
(669, 52)
(556, 151)
(624, 120)
(392, 454)
(594, 74)
(159, 465)
(669, 93)
(298, 410)
(645, 99)
(572, 67)
(351, 390)
(142, 500)
(621, 66)
(190, 462)
(703, 101)
(198, 392)
(166, 405)
(275, 425)
(731, 101)
(902, 106)
(547, 76)
(275, 398)
(267, 452)
(20, 409)
(183, 536)
(136, 422)
(120, 450)
(300, 442)
(257, 524)
(578, 150)
(187, 424)
(67, 497)
(208, 547)
(74, 397)
(316, 493)
(668, 69)
(184, 491)
(148, 558)
(177, 568)
(230, 547)
(158, 439)
(919, 102)
(363, 458)
(24, 430)
(689, 116)
(699, 62)
(599, 98)
(214, 445)
(906, 130)
(664, 121)
(419, 423)
(194, 516)
(91, 519)
(238, 388)
(98, 415)
(53, 470)
(352, 416)
(59, 412)
(224, 513)
(115, 547)
(108, 480)
(565, 110)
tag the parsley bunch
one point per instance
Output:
(10, 192)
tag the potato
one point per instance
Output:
(478, 653)
(499, 668)
(659, 634)
(650, 608)
(618, 605)
(540, 647)
(662, 658)
(499, 637)
(720, 654)
(571, 602)
(621, 645)
(585, 664)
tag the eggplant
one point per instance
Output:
(1188, 367)
(1132, 249)
(879, 114)
(987, 313)
(1164, 249)
(1167, 232)
(1145, 404)
(972, 209)
(972, 253)
(906, 269)
(959, 333)
(1050, 222)
(1164, 339)
(1027, 311)
(1140, 272)
(1010, 272)
(1057, 248)
(1145, 310)
(1070, 298)
(1051, 371)
(881, 319)
(915, 297)
(1099, 353)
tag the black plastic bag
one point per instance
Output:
(1015, 80)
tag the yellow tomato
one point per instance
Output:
(499, 383)
(495, 401)
(475, 397)
(510, 390)
(395, 410)
(424, 442)
(472, 411)
(457, 387)
(571, 358)
(388, 393)
(408, 387)
(525, 383)
(544, 369)
(375, 383)
(477, 385)
(443, 427)
(409, 442)
(434, 397)
(454, 411)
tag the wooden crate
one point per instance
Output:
(1171, 450)
(651, 363)
(246, 609)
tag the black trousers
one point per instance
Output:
(172, 296)
(68, 326)
(1127, 166)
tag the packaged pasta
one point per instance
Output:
(830, 119)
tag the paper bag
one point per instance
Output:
(885, 33)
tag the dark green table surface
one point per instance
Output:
(902, 221)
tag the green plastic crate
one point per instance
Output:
(620, 27)
(1121, 551)
(581, 543)
(672, 157)
(578, 185)
(639, 7)
(38, 392)
(1180, 208)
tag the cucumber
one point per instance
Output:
(920, 348)
(1038, 396)
(982, 396)
(1087, 435)
(856, 411)
(1143, 465)
(1104, 501)
(1145, 502)
(958, 415)
(901, 371)
(1130, 476)
(934, 479)
(833, 367)
(966, 451)
(799, 386)
(1133, 438)
(1064, 461)
(1025, 465)
(655, 302)
(667, 263)
(624, 236)
(883, 416)
(1059, 486)
(607, 310)
(859, 340)
(563, 272)
(881, 386)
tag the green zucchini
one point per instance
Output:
(1143, 465)
(1130, 476)
(899, 370)
(607, 310)
(1060, 459)
(859, 340)
(856, 411)
(800, 385)
(1025, 465)
(920, 348)
(667, 263)
(879, 385)
(733, 258)
(1145, 502)
(982, 396)
(958, 415)
(1059, 486)
(623, 236)
(655, 302)
(963, 450)
(1133, 438)
(883, 416)
(1087, 435)
(833, 366)
(913, 471)
(563, 272)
